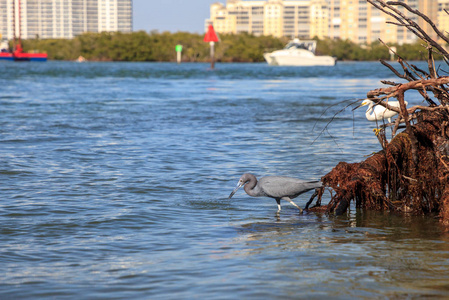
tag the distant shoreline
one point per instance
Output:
(160, 47)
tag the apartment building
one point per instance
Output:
(360, 22)
(356, 20)
(115, 15)
(274, 17)
(63, 18)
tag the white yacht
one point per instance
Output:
(299, 53)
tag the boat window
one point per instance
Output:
(306, 45)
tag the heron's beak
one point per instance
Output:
(356, 107)
(360, 105)
(239, 185)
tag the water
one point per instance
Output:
(115, 179)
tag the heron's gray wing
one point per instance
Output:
(279, 186)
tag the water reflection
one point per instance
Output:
(365, 251)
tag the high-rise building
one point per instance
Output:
(63, 18)
(360, 22)
(84, 16)
(356, 20)
(272, 17)
(115, 15)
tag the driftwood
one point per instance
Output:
(411, 173)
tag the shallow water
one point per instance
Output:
(115, 179)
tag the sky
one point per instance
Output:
(171, 15)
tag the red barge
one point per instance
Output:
(17, 54)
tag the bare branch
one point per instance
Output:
(421, 71)
(407, 74)
(397, 24)
(417, 85)
(423, 16)
(413, 109)
(401, 61)
(394, 70)
(431, 63)
(331, 120)
(387, 82)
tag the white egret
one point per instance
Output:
(379, 112)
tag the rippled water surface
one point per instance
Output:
(115, 177)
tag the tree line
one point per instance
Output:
(159, 47)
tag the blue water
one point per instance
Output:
(115, 178)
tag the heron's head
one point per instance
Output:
(244, 179)
(364, 102)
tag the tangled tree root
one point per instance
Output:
(393, 179)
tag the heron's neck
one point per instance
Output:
(250, 188)
(370, 115)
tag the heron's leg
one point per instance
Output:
(293, 203)
(279, 204)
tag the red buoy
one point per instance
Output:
(211, 38)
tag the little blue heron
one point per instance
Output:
(277, 187)
(379, 112)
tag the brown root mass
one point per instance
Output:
(392, 180)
